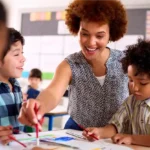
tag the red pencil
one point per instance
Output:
(92, 135)
(12, 138)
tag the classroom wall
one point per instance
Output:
(17, 6)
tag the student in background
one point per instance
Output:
(11, 67)
(131, 123)
(97, 83)
(35, 78)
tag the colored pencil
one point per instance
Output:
(12, 138)
(92, 135)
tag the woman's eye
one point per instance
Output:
(84, 34)
(99, 37)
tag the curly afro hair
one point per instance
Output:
(102, 11)
(139, 56)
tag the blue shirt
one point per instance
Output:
(10, 104)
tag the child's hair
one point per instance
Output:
(13, 37)
(101, 11)
(3, 15)
(35, 73)
(139, 56)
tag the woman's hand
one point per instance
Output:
(28, 116)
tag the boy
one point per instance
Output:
(11, 67)
(35, 78)
(131, 123)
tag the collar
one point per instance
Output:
(143, 102)
(13, 81)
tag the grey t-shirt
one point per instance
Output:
(91, 104)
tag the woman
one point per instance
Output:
(97, 84)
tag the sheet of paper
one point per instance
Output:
(81, 144)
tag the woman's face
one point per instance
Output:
(93, 38)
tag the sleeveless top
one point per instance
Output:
(91, 104)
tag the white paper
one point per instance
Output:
(82, 144)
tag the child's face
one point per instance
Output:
(140, 84)
(12, 65)
(34, 82)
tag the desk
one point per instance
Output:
(105, 144)
(56, 112)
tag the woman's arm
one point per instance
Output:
(48, 98)
(51, 96)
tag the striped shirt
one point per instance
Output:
(133, 117)
(10, 104)
(91, 104)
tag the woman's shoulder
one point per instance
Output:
(75, 57)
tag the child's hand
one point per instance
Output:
(4, 133)
(97, 132)
(122, 139)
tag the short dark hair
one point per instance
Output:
(35, 73)
(13, 37)
(138, 55)
(3, 14)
